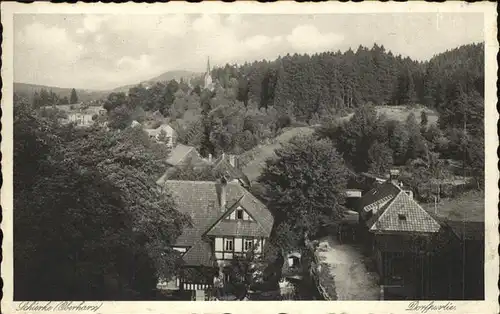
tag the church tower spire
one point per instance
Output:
(208, 77)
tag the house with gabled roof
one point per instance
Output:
(184, 154)
(164, 134)
(399, 232)
(227, 221)
(458, 267)
(225, 165)
(228, 165)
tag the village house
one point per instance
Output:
(80, 114)
(225, 164)
(399, 233)
(163, 134)
(182, 155)
(228, 165)
(227, 221)
(458, 269)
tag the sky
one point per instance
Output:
(107, 51)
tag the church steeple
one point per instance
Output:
(208, 77)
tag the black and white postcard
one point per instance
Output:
(238, 154)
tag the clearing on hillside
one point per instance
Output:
(400, 113)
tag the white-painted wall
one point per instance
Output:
(238, 244)
(219, 244)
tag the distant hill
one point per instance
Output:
(27, 91)
(174, 75)
(167, 76)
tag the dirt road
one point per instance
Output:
(346, 265)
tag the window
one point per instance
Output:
(402, 217)
(247, 244)
(229, 244)
(239, 214)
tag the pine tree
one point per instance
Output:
(423, 119)
(73, 98)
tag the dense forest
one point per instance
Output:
(305, 85)
(256, 100)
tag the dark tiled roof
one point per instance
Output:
(199, 254)
(178, 154)
(373, 176)
(200, 200)
(223, 166)
(467, 230)
(403, 214)
(377, 198)
(161, 181)
(350, 216)
(261, 225)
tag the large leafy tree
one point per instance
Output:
(380, 158)
(88, 222)
(417, 146)
(120, 117)
(304, 185)
(115, 100)
(357, 136)
(133, 163)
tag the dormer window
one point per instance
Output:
(409, 193)
(239, 214)
(402, 217)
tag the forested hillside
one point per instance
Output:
(255, 101)
(308, 86)
(28, 91)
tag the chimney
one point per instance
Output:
(222, 193)
(393, 176)
(209, 157)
